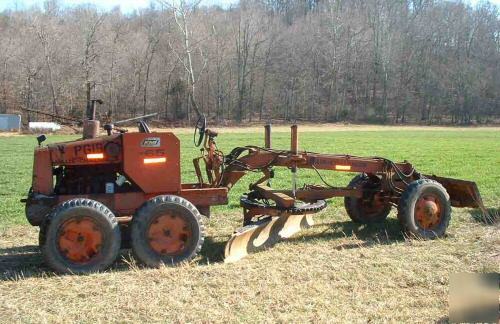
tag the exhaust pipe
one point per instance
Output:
(90, 124)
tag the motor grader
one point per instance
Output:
(93, 196)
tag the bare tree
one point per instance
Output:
(45, 35)
(410, 61)
(89, 25)
(181, 13)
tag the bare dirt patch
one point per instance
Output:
(66, 130)
(9, 134)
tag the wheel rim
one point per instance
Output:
(373, 206)
(428, 211)
(169, 234)
(80, 240)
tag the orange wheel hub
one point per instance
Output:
(428, 211)
(80, 240)
(169, 234)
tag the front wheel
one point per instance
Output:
(166, 230)
(372, 207)
(424, 209)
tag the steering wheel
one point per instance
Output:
(199, 129)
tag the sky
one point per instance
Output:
(126, 6)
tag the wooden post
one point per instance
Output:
(295, 151)
(295, 140)
(267, 140)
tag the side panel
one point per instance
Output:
(102, 150)
(151, 160)
(42, 172)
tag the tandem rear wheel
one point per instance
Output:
(166, 230)
(80, 236)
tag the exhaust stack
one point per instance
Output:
(90, 124)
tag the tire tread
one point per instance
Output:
(405, 212)
(151, 204)
(65, 206)
(353, 212)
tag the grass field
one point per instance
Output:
(335, 271)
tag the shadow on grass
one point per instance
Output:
(370, 235)
(212, 251)
(19, 256)
(22, 262)
(490, 218)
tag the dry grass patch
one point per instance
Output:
(336, 271)
(9, 134)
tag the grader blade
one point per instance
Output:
(462, 193)
(254, 238)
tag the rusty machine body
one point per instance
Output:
(90, 197)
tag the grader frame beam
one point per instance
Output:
(263, 159)
(260, 159)
(281, 198)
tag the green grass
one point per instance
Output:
(16, 165)
(472, 155)
(336, 271)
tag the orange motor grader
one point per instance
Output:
(93, 196)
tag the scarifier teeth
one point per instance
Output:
(254, 238)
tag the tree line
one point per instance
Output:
(378, 61)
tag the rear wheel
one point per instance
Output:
(371, 208)
(166, 230)
(424, 209)
(80, 236)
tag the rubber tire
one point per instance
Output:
(74, 208)
(140, 223)
(36, 213)
(42, 233)
(406, 208)
(355, 213)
